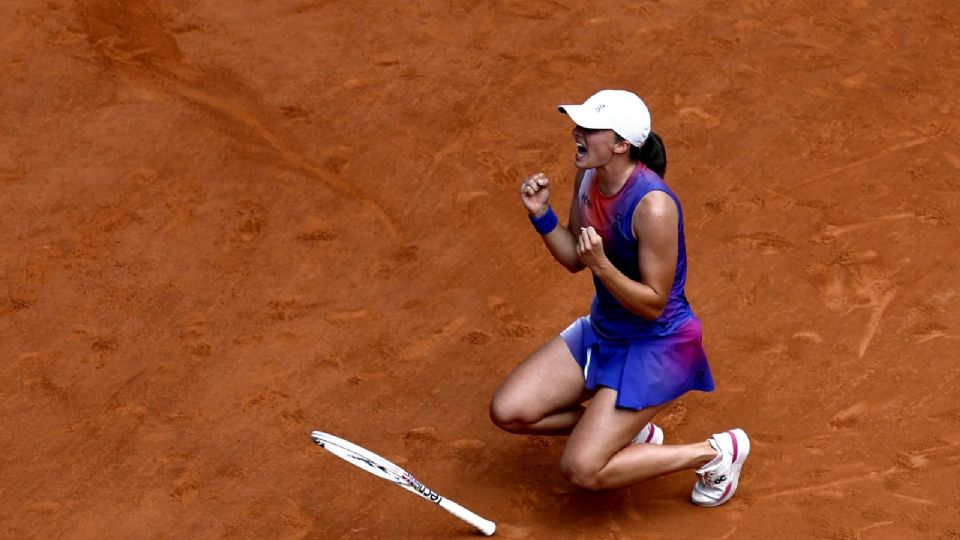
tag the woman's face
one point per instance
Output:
(595, 147)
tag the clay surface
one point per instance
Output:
(226, 224)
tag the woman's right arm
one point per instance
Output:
(561, 241)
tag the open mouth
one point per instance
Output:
(581, 150)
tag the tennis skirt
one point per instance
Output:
(645, 372)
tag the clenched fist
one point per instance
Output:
(535, 193)
(590, 249)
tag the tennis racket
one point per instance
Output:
(374, 464)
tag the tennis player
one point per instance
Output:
(604, 378)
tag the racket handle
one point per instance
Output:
(485, 526)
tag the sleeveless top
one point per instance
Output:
(612, 217)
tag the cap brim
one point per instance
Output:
(583, 116)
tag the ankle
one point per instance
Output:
(704, 453)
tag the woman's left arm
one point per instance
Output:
(655, 224)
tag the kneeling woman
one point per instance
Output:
(640, 347)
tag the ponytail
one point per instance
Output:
(652, 154)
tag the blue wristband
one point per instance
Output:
(545, 223)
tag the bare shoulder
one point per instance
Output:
(655, 205)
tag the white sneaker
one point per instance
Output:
(650, 434)
(718, 479)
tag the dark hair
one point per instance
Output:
(652, 153)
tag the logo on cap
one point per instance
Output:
(600, 107)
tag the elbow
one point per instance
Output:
(653, 312)
(650, 314)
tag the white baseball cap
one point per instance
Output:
(622, 111)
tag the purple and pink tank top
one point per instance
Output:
(612, 217)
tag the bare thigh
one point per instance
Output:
(548, 381)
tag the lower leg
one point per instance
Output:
(636, 463)
(598, 456)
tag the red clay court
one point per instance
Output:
(229, 223)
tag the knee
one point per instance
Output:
(509, 415)
(582, 472)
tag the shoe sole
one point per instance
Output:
(741, 447)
